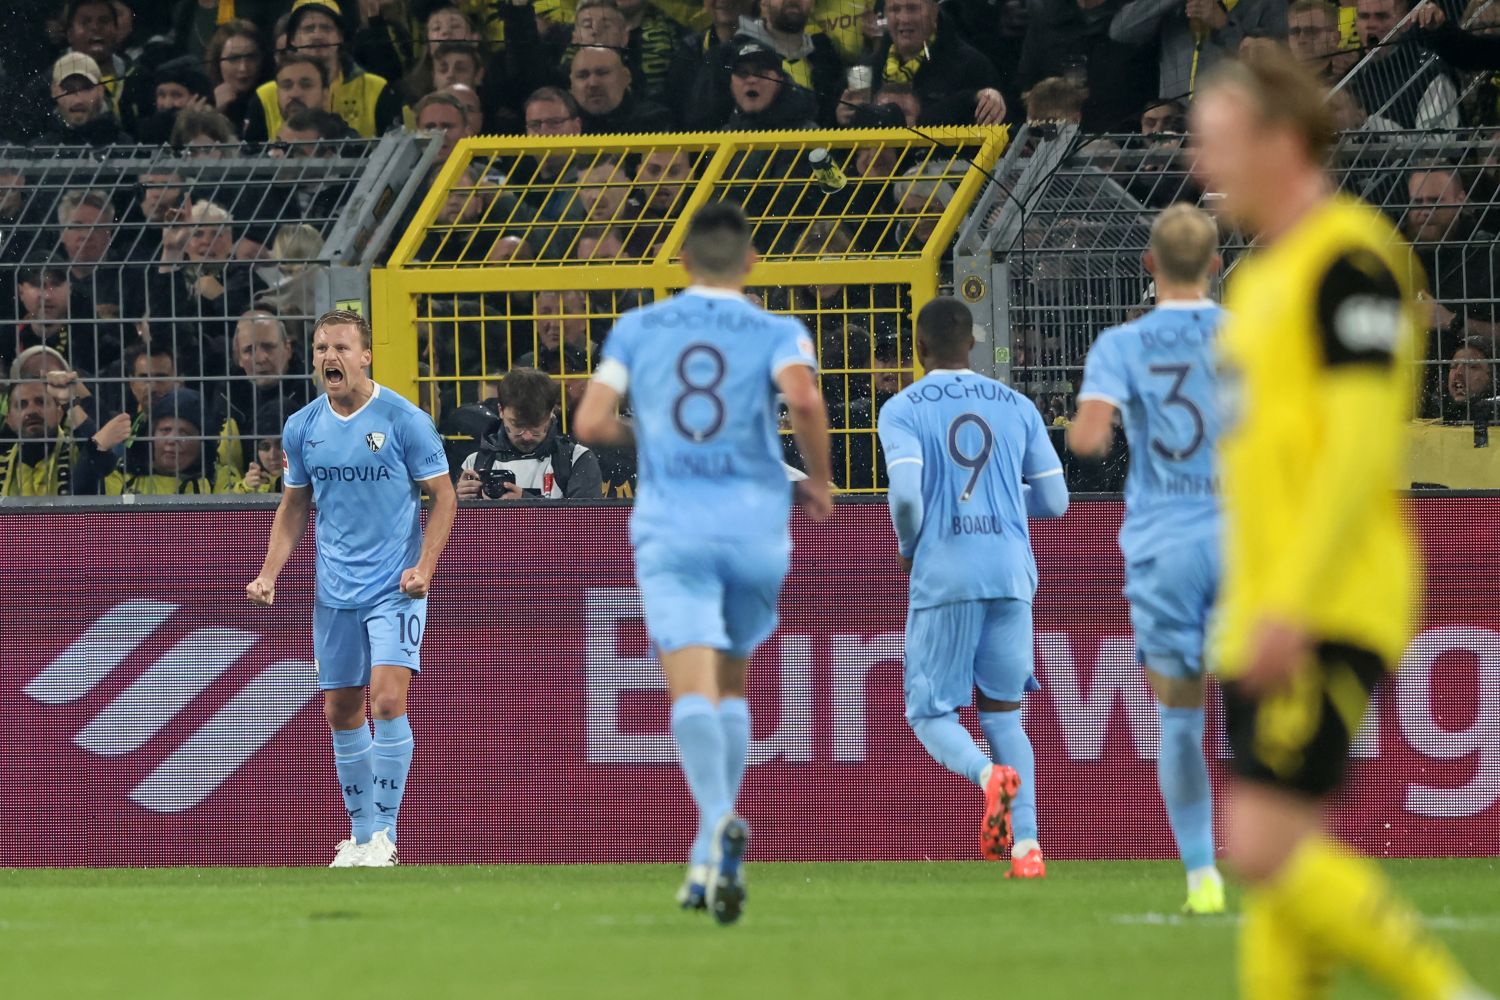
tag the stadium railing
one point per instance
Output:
(108, 253)
(527, 249)
(1052, 255)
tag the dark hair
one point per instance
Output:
(946, 326)
(454, 47)
(192, 123)
(293, 58)
(36, 274)
(718, 240)
(563, 97)
(346, 317)
(146, 350)
(75, 5)
(530, 392)
(328, 125)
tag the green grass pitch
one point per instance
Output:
(811, 930)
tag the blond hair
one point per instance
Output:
(1184, 240)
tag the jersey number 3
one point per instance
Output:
(1174, 397)
(976, 462)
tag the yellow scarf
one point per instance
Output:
(1199, 39)
(898, 70)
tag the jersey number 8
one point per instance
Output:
(701, 371)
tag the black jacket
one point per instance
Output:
(706, 100)
(631, 116)
(105, 130)
(558, 465)
(1120, 79)
(948, 82)
(793, 108)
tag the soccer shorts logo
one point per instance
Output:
(375, 440)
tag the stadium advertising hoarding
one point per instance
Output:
(154, 716)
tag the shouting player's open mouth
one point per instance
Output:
(333, 377)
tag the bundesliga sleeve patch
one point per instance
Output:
(1359, 311)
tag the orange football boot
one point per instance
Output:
(1028, 865)
(999, 791)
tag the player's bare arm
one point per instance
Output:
(598, 423)
(286, 531)
(416, 580)
(1092, 432)
(809, 417)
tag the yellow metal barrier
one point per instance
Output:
(525, 250)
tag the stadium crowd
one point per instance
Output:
(153, 320)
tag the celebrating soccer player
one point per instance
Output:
(957, 445)
(1158, 373)
(364, 454)
(710, 522)
(1319, 587)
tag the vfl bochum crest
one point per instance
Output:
(375, 440)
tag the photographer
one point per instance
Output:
(528, 455)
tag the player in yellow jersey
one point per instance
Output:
(1320, 579)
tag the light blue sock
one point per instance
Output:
(1182, 774)
(1012, 747)
(351, 758)
(950, 745)
(393, 744)
(734, 720)
(700, 745)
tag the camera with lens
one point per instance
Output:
(494, 482)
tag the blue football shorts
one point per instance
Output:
(1171, 596)
(348, 641)
(952, 648)
(719, 594)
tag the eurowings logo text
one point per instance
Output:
(217, 749)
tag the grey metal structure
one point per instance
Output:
(108, 255)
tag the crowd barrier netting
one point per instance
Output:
(154, 717)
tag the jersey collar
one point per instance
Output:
(1181, 304)
(716, 293)
(374, 394)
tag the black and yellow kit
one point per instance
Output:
(1318, 385)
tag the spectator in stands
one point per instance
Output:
(1401, 83)
(528, 455)
(200, 284)
(1070, 38)
(901, 97)
(92, 28)
(1164, 118)
(1192, 36)
(457, 62)
(310, 134)
(443, 115)
(763, 98)
(263, 473)
(563, 342)
(509, 248)
(39, 463)
(236, 64)
(89, 226)
(601, 243)
(922, 199)
(1475, 47)
(663, 182)
(806, 61)
(204, 133)
(1054, 101)
(604, 187)
(301, 83)
(180, 459)
(365, 101)
(266, 358)
(444, 24)
(700, 53)
(601, 23)
(46, 309)
(152, 370)
(1312, 32)
(84, 114)
(1455, 253)
(179, 84)
(602, 87)
(1471, 386)
(954, 81)
(653, 42)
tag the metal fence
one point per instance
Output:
(155, 303)
(1052, 256)
(526, 250)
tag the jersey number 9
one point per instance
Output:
(976, 462)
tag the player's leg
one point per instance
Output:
(395, 628)
(1002, 670)
(734, 720)
(1170, 599)
(1311, 897)
(342, 657)
(682, 596)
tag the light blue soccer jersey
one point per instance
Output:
(700, 369)
(974, 439)
(364, 470)
(1158, 371)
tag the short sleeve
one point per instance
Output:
(294, 472)
(794, 346)
(613, 367)
(1359, 312)
(1104, 375)
(421, 448)
(1041, 458)
(898, 436)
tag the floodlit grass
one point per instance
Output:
(810, 930)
